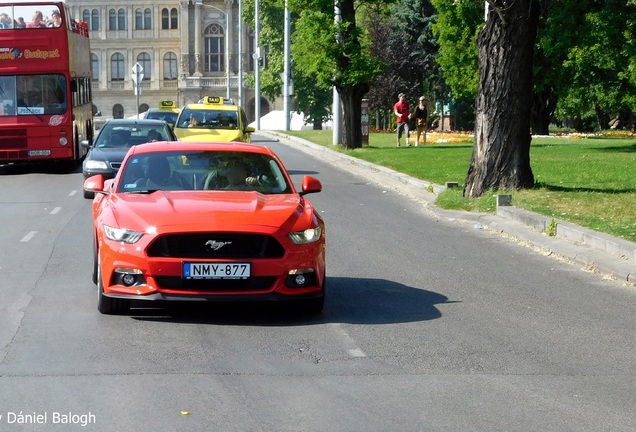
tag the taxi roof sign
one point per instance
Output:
(167, 104)
(213, 100)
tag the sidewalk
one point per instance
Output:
(593, 251)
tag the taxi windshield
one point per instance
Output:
(209, 119)
(167, 116)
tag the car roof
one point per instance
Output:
(141, 122)
(210, 107)
(164, 109)
(184, 146)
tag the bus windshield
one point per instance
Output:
(32, 94)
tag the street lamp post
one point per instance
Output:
(257, 67)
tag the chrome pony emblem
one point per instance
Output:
(213, 245)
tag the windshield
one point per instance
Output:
(127, 135)
(209, 119)
(167, 116)
(32, 94)
(204, 170)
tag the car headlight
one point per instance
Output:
(95, 164)
(307, 236)
(122, 234)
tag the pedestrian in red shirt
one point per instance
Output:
(403, 112)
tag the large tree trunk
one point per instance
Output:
(501, 154)
(351, 98)
(543, 106)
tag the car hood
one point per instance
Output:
(108, 154)
(212, 135)
(189, 211)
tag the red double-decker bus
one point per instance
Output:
(45, 83)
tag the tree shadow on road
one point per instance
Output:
(349, 300)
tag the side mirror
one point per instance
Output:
(85, 144)
(310, 185)
(95, 184)
(250, 129)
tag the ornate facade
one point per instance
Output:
(187, 49)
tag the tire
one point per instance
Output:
(315, 306)
(94, 261)
(107, 305)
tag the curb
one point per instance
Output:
(597, 252)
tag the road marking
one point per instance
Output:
(29, 236)
(350, 345)
(55, 210)
(72, 193)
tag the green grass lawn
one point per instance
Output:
(587, 181)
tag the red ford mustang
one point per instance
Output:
(203, 221)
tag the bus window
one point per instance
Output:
(7, 95)
(41, 94)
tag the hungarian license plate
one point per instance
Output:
(39, 152)
(217, 270)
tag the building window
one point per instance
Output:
(170, 66)
(144, 60)
(95, 66)
(169, 19)
(112, 20)
(174, 18)
(143, 19)
(147, 19)
(165, 19)
(94, 20)
(121, 19)
(86, 16)
(118, 111)
(139, 20)
(117, 67)
(214, 49)
(117, 20)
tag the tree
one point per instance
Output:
(501, 154)
(336, 54)
(313, 100)
(402, 37)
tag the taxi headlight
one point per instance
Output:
(307, 236)
(122, 234)
(94, 164)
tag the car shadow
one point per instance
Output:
(58, 167)
(349, 300)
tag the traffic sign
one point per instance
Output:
(137, 73)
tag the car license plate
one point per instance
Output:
(217, 270)
(39, 152)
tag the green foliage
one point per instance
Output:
(458, 22)
(551, 228)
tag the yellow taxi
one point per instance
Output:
(167, 111)
(213, 119)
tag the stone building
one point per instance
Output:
(187, 49)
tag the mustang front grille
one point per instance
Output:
(216, 245)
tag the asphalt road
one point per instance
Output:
(429, 325)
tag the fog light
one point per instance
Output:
(129, 279)
(300, 278)
(63, 141)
